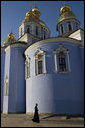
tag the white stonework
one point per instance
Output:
(78, 35)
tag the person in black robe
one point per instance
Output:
(36, 116)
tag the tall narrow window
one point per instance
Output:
(41, 32)
(69, 26)
(62, 62)
(28, 29)
(40, 64)
(62, 28)
(76, 25)
(36, 30)
(62, 59)
(44, 35)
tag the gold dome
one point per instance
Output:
(65, 9)
(29, 15)
(36, 12)
(35, 9)
(10, 39)
(66, 14)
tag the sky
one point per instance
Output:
(13, 13)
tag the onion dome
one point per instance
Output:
(10, 39)
(29, 15)
(32, 15)
(36, 12)
(66, 14)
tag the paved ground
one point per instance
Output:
(23, 120)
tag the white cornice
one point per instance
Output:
(7, 48)
(53, 40)
(15, 45)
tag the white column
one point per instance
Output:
(28, 67)
(44, 64)
(69, 69)
(25, 71)
(35, 67)
(56, 68)
(72, 25)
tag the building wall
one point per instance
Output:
(15, 67)
(2, 75)
(17, 92)
(60, 93)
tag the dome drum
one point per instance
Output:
(67, 22)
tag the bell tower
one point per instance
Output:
(33, 28)
(67, 22)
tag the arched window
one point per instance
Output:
(69, 26)
(36, 30)
(44, 35)
(28, 29)
(62, 28)
(62, 62)
(27, 67)
(40, 62)
(76, 25)
(6, 87)
(62, 59)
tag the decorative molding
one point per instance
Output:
(65, 51)
(39, 52)
(52, 41)
(27, 67)
(61, 48)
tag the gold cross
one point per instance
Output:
(64, 3)
(11, 29)
(30, 6)
(34, 3)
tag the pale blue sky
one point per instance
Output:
(13, 12)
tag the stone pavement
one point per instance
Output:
(23, 120)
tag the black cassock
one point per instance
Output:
(36, 116)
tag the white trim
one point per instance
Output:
(52, 41)
(44, 62)
(56, 66)
(72, 26)
(40, 52)
(69, 69)
(7, 48)
(56, 52)
(27, 68)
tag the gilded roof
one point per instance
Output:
(34, 16)
(10, 39)
(66, 14)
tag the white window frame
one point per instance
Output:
(27, 68)
(40, 52)
(56, 52)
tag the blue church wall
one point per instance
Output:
(17, 93)
(60, 93)
(2, 75)
(82, 58)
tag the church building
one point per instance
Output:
(41, 69)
